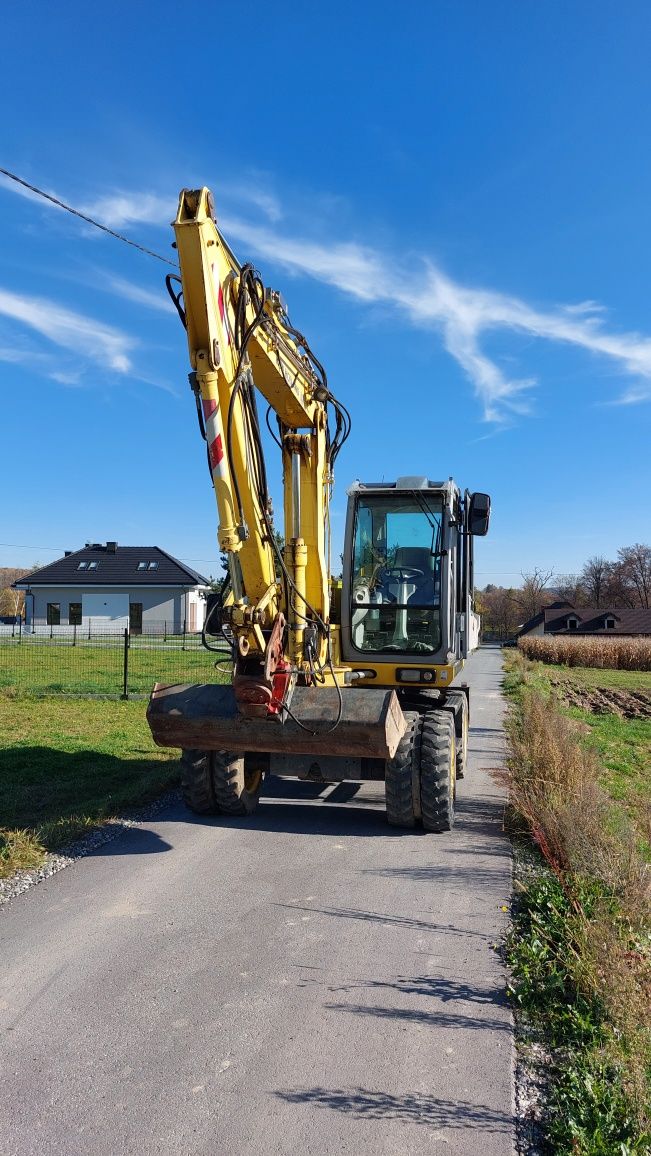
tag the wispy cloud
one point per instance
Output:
(116, 210)
(93, 340)
(426, 297)
(119, 209)
(431, 299)
(130, 292)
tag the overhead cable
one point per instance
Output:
(85, 217)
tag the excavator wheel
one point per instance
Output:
(437, 770)
(402, 777)
(217, 783)
(461, 727)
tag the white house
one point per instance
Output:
(114, 587)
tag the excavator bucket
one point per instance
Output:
(369, 722)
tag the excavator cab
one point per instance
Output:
(407, 584)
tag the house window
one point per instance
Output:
(82, 566)
(152, 565)
(572, 623)
(142, 565)
(53, 614)
(74, 614)
(93, 565)
(610, 624)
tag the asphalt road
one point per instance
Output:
(306, 981)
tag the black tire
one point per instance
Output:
(460, 701)
(402, 777)
(437, 770)
(217, 783)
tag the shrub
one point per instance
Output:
(553, 781)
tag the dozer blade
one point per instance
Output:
(205, 717)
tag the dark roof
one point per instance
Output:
(116, 565)
(592, 620)
(538, 618)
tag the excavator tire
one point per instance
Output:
(216, 783)
(402, 777)
(461, 727)
(437, 770)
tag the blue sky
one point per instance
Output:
(452, 197)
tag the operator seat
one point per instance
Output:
(427, 590)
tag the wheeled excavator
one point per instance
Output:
(333, 680)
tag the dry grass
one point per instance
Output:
(553, 781)
(609, 653)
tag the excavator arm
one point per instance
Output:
(241, 341)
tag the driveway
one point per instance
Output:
(306, 981)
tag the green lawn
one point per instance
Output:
(624, 747)
(591, 676)
(59, 668)
(68, 764)
(624, 744)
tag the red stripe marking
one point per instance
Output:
(216, 452)
(209, 406)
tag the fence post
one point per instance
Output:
(89, 629)
(125, 680)
(165, 631)
(183, 643)
(74, 634)
(20, 630)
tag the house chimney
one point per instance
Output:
(111, 547)
(67, 553)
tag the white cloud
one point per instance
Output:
(431, 299)
(123, 288)
(119, 209)
(90, 339)
(426, 297)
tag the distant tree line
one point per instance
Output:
(602, 583)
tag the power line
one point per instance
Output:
(84, 217)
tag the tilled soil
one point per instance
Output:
(603, 700)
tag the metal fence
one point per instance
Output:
(104, 661)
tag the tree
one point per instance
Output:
(500, 614)
(12, 602)
(532, 596)
(570, 588)
(635, 566)
(594, 579)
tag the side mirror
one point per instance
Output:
(479, 513)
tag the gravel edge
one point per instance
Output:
(531, 1058)
(22, 881)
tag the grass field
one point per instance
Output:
(67, 765)
(602, 677)
(59, 668)
(623, 744)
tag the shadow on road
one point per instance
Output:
(413, 1015)
(132, 841)
(405, 921)
(428, 1111)
(430, 987)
